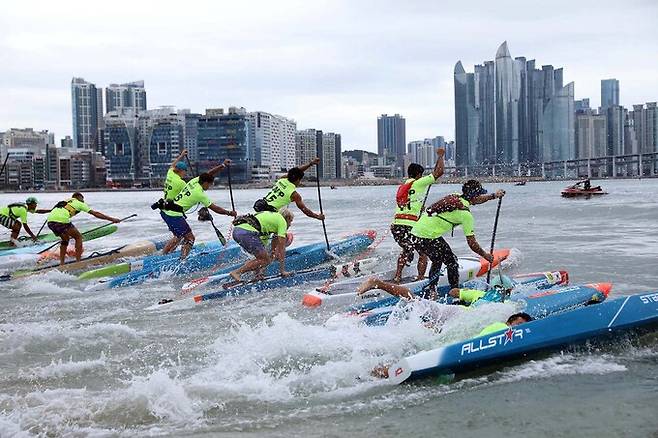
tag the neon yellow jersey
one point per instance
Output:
(493, 328)
(191, 195)
(173, 185)
(63, 215)
(270, 223)
(17, 212)
(470, 295)
(281, 194)
(409, 214)
(433, 227)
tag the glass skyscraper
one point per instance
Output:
(87, 109)
(609, 93)
(130, 96)
(391, 136)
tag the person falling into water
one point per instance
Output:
(13, 215)
(284, 192)
(59, 222)
(192, 194)
(252, 231)
(410, 200)
(442, 217)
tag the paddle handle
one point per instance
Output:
(4, 164)
(324, 226)
(230, 186)
(493, 237)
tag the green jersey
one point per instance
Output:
(18, 212)
(64, 214)
(408, 214)
(173, 185)
(433, 227)
(191, 195)
(281, 194)
(270, 223)
(470, 295)
(493, 328)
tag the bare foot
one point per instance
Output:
(235, 276)
(396, 280)
(420, 278)
(380, 371)
(367, 285)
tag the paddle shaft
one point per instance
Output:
(324, 226)
(42, 225)
(4, 164)
(493, 237)
(88, 231)
(230, 187)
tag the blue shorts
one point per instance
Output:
(177, 224)
(248, 240)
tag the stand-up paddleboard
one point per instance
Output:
(344, 292)
(147, 262)
(597, 322)
(378, 312)
(96, 258)
(203, 258)
(231, 288)
(297, 259)
(29, 256)
(26, 241)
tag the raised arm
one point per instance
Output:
(440, 163)
(489, 197)
(307, 211)
(215, 170)
(28, 231)
(104, 217)
(180, 156)
(305, 167)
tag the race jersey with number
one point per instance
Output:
(173, 185)
(280, 195)
(191, 195)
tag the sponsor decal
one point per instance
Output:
(555, 291)
(502, 339)
(399, 371)
(650, 298)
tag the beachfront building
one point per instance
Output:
(87, 110)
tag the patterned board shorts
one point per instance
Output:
(248, 240)
(7, 222)
(403, 237)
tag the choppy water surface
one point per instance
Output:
(78, 363)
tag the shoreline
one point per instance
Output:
(329, 183)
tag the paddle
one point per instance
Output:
(4, 164)
(324, 226)
(41, 229)
(204, 215)
(88, 231)
(493, 238)
(230, 187)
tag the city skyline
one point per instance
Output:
(372, 63)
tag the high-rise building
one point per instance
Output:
(591, 134)
(645, 125)
(423, 152)
(87, 106)
(581, 106)
(609, 93)
(558, 141)
(500, 111)
(129, 96)
(161, 139)
(616, 118)
(272, 140)
(308, 145)
(330, 164)
(225, 135)
(122, 150)
(391, 136)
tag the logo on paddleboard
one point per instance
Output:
(650, 298)
(399, 371)
(502, 339)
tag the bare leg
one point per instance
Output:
(171, 245)
(62, 251)
(402, 261)
(391, 288)
(422, 266)
(188, 243)
(16, 229)
(75, 235)
(262, 259)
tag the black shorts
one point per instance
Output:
(403, 237)
(58, 228)
(7, 222)
(440, 253)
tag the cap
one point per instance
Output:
(472, 188)
(31, 200)
(181, 165)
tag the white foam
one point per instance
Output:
(61, 369)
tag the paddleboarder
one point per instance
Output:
(284, 192)
(252, 231)
(192, 194)
(59, 222)
(410, 199)
(13, 215)
(442, 217)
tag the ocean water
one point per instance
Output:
(76, 363)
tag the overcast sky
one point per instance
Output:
(330, 65)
